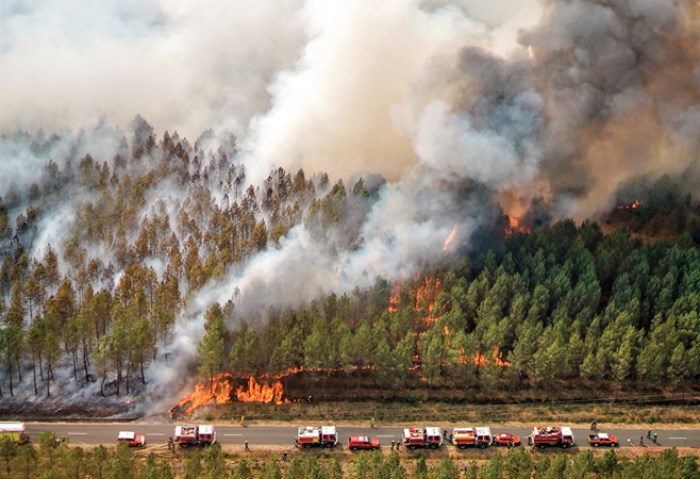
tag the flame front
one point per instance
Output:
(263, 393)
(219, 390)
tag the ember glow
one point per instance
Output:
(632, 206)
(515, 226)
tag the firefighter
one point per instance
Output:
(393, 443)
(171, 444)
(594, 426)
(246, 446)
(284, 456)
(371, 423)
(655, 437)
(648, 433)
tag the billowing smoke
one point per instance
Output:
(545, 107)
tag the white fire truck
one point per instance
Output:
(15, 431)
(551, 436)
(317, 436)
(464, 437)
(425, 437)
(202, 435)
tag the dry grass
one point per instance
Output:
(345, 412)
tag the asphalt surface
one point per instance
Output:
(157, 434)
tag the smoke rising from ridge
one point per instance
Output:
(548, 106)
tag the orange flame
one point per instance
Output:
(449, 238)
(217, 389)
(263, 393)
(634, 205)
(480, 359)
(514, 226)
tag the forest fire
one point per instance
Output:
(450, 238)
(632, 206)
(219, 390)
(481, 360)
(263, 393)
(515, 226)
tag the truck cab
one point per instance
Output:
(317, 436)
(15, 431)
(422, 437)
(551, 436)
(464, 437)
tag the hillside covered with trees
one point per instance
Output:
(103, 257)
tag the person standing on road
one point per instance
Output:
(629, 441)
(649, 434)
(655, 437)
(641, 440)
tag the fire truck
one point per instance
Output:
(425, 437)
(203, 435)
(15, 431)
(317, 436)
(464, 437)
(551, 436)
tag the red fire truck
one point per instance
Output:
(203, 435)
(317, 436)
(464, 437)
(424, 437)
(551, 436)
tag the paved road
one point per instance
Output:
(106, 433)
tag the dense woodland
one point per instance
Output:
(564, 302)
(46, 461)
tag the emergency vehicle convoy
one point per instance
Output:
(317, 436)
(464, 437)
(423, 437)
(551, 436)
(15, 431)
(202, 435)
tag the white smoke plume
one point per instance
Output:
(454, 103)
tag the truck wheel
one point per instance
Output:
(412, 447)
(353, 448)
(564, 446)
(482, 445)
(307, 446)
(595, 444)
(614, 444)
(541, 446)
(462, 446)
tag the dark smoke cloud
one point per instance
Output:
(550, 105)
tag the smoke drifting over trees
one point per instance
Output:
(446, 111)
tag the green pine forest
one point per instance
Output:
(46, 461)
(522, 311)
